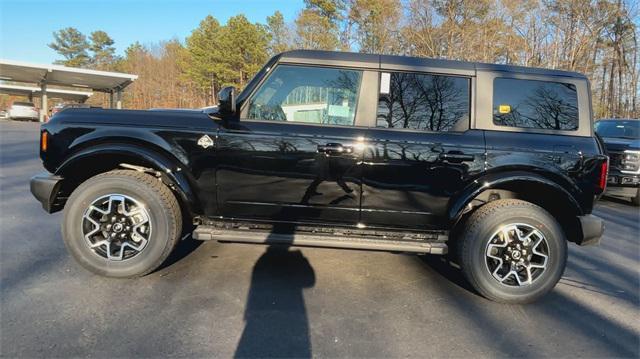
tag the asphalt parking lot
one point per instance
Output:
(231, 299)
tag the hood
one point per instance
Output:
(621, 144)
(177, 118)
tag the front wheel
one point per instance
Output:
(121, 223)
(512, 251)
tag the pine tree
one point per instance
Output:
(72, 45)
(102, 49)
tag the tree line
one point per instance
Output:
(596, 37)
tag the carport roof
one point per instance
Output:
(103, 81)
(35, 91)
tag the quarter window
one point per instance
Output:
(307, 94)
(535, 104)
(423, 102)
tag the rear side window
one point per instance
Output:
(307, 94)
(423, 102)
(535, 104)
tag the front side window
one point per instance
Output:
(307, 94)
(423, 102)
(535, 104)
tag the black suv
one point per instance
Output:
(497, 164)
(622, 142)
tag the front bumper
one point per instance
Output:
(621, 184)
(45, 188)
(590, 230)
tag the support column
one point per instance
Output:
(44, 106)
(119, 99)
(111, 102)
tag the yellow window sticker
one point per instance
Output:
(504, 109)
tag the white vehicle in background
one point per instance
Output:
(24, 111)
(3, 115)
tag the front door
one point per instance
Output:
(421, 152)
(294, 156)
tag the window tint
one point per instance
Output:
(307, 94)
(535, 104)
(424, 102)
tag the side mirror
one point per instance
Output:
(227, 100)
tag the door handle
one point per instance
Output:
(456, 157)
(334, 148)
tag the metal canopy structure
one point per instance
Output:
(32, 91)
(44, 75)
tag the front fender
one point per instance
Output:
(504, 179)
(93, 159)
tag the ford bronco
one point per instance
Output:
(496, 164)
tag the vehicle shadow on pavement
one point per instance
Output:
(184, 247)
(448, 271)
(276, 317)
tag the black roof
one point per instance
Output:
(353, 59)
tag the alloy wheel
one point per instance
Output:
(116, 227)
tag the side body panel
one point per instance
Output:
(274, 171)
(410, 176)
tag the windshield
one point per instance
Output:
(619, 128)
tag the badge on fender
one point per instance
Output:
(205, 142)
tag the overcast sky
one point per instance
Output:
(26, 26)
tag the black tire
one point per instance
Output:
(636, 200)
(488, 220)
(161, 205)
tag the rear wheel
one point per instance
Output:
(512, 251)
(121, 223)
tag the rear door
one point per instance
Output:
(421, 151)
(294, 156)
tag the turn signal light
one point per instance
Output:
(44, 141)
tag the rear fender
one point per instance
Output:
(509, 180)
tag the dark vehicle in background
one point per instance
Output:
(24, 111)
(496, 164)
(622, 142)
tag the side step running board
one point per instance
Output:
(204, 232)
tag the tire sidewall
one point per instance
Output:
(93, 189)
(556, 242)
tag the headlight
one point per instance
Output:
(630, 162)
